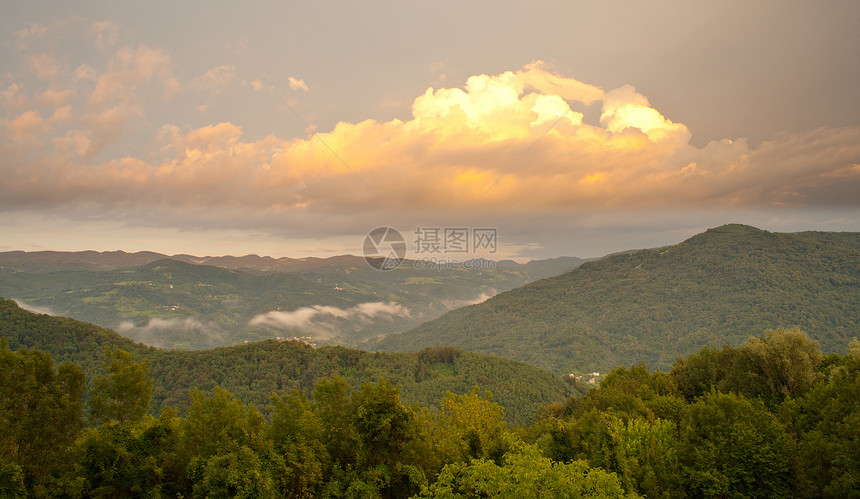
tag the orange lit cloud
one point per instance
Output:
(216, 78)
(297, 84)
(512, 143)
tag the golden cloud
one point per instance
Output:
(515, 142)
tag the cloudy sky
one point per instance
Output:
(573, 128)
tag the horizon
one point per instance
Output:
(184, 129)
(410, 256)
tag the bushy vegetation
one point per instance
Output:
(773, 418)
(722, 286)
(252, 372)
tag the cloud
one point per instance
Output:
(106, 33)
(129, 69)
(25, 35)
(28, 126)
(481, 298)
(85, 72)
(45, 66)
(36, 309)
(514, 147)
(298, 84)
(255, 85)
(322, 319)
(216, 79)
(625, 108)
(152, 332)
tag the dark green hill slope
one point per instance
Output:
(725, 285)
(254, 371)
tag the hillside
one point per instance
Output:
(722, 286)
(252, 372)
(192, 303)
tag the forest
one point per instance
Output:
(774, 417)
(253, 371)
(721, 286)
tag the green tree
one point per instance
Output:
(386, 429)
(734, 447)
(652, 450)
(134, 459)
(466, 427)
(828, 426)
(384, 425)
(11, 480)
(229, 447)
(124, 394)
(297, 435)
(221, 424)
(40, 416)
(239, 474)
(334, 407)
(524, 473)
(787, 360)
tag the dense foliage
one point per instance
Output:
(253, 371)
(774, 418)
(722, 286)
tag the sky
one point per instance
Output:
(294, 129)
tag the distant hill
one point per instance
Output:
(252, 372)
(191, 302)
(722, 286)
(52, 261)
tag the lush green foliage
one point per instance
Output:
(722, 423)
(718, 427)
(723, 286)
(254, 371)
(41, 412)
(524, 473)
(123, 394)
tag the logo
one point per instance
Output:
(384, 248)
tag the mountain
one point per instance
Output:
(51, 261)
(722, 286)
(171, 303)
(190, 302)
(253, 371)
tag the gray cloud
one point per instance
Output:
(36, 309)
(152, 332)
(322, 319)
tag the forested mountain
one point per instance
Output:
(191, 303)
(773, 418)
(722, 286)
(254, 371)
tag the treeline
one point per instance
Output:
(252, 372)
(337, 442)
(773, 418)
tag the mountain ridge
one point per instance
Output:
(726, 284)
(192, 303)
